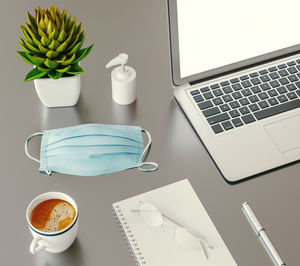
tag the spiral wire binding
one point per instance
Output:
(127, 235)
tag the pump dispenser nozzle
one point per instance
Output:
(123, 80)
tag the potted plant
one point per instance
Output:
(52, 44)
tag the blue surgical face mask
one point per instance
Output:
(92, 149)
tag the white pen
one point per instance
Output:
(262, 235)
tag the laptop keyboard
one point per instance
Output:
(239, 101)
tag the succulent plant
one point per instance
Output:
(52, 43)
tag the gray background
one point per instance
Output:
(139, 28)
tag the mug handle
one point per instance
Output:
(36, 245)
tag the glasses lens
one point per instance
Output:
(186, 239)
(151, 215)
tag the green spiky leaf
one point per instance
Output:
(75, 69)
(69, 60)
(75, 49)
(32, 47)
(54, 74)
(52, 54)
(43, 49)
(31, 20)
(41, 60)
(61, 59)
(25, 48)
(29, 59)
(50, 63)
(62, 47)
(82, 54)
(62, 36)
(53, 45)
(34, 74)
(45, 41)
(43, 69)
(63, 70)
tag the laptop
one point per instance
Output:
(236, 75)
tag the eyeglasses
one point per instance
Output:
(153, 217)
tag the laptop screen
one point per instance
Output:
(216, 33)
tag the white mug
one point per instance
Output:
(53, 242)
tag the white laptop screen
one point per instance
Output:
(215, 33)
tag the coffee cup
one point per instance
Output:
(56, 241)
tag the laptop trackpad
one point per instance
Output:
(286, 135)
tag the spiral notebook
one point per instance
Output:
(156, 246)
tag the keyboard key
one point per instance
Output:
(227, 89)
(282, 98)
(263, 72)
(198, 98)
(246, 92)
(195, 92)
(291, 87)
(253, 75)
(263, 104)
(234, 104)
(225, 107)
(282, 90)
(208, 95)
(293, 78)
(272, 69)
(298, 67)
(227, 125)
(225, 83)
(218, 92)
(273, 101)
(263, 96)
(283, 73)
(218, 118)
(237, 86)
(205, 105)
(284, 81)
(217, 101)
(265, 78)
(265, 86)
(237, 122)
(227, 98)
(246, 84)
(253, 107)
(255, 81)
(215, 86)
(244, 110)
(291, 95)
(274, 75)
(291, 63)
(298, 61)
(244, 101)
(256, 89)
(298, 92)
(217, 128)
(237, 95)
(235, 80)
(274, 110)
(292, 70)
(248, 119)
(274, 84)
(272, 93)
(204, 89)
(245, 77)
(211, 111)
(253, 99)
(234, 113)
(282, 66)
(298, 84)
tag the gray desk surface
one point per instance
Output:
(138, 28)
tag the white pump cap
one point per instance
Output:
(123, 79)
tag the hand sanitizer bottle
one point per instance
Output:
(123, 80)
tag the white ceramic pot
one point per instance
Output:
(58, 92)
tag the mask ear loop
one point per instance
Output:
(141, 163)
(27, 152)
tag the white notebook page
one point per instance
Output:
(157, 244)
